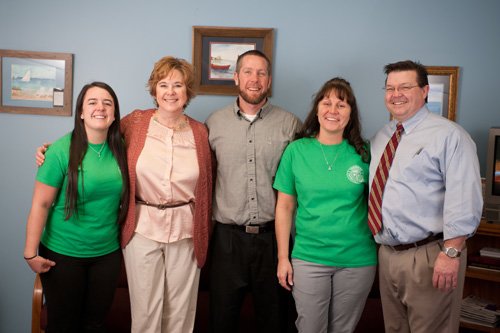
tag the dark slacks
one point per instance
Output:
(79, 291)
(239, 263)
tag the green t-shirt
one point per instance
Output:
(94, 230)
(331, 219)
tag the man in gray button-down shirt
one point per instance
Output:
(248, 138)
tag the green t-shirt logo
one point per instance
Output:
(355, 174)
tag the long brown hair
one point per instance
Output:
(78, 149)
(352, 132)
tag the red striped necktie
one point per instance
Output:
(378, 183)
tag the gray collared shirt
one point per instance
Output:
(248, 154)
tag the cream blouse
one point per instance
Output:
(167, 172)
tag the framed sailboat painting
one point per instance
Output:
(38, 83)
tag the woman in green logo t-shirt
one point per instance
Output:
(323, 177)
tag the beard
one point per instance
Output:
(254, 100)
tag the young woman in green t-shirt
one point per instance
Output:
(80, 197)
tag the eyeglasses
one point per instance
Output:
(402, 89)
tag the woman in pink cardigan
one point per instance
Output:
(166, 231)
(165, 235)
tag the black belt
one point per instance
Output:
(403, 247)
(250, 229)
(162, 206)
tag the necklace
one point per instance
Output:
(330, 166)
(183, 123)
(180, 125)
(98, 152)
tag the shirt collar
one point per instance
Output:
(411, 123)
(266, 108)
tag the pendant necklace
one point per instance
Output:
(179, 126)
(330, 166)
(98, 152)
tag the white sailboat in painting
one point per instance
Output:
(33, 83)
(27, 76)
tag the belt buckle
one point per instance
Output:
(162, 206)
(252, 229)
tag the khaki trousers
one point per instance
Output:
(163, 284)
(409, 301)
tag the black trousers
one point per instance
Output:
(79, 291)
(240, 263)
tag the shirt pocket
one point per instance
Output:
(271, 151)
(421, 167)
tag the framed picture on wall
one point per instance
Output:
(443, 87)
(215, 50)
(38, 83)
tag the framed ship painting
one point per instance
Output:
(215, 51)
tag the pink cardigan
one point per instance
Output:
(134, 127)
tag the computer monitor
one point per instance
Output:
(492, 179)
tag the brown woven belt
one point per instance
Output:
(162, 206)
(427, 240)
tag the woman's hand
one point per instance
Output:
(285, 209)
(40, 264)
(285, 274)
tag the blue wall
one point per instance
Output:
(118, 42)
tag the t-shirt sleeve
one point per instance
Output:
(285, 178)
(54, 168)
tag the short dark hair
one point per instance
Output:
(409, 65)
(253, 53)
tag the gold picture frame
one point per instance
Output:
(39, 83)
(215, 50)
(443, 90)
